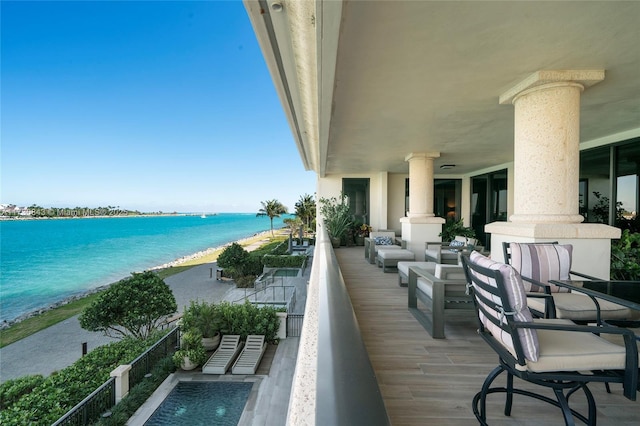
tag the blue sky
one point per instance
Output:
(149, 105)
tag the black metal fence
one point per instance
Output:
(294, 324)
(143, 365)
(104, 398)
(90, 408)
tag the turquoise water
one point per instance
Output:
(45, 261)
(202, 403)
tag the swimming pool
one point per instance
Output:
(286, 272)
(202, 403)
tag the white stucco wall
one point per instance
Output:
(331, 186)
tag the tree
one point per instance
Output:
(132, 306)
(233, 259)
(271, 208)
(306, 209)
(293, 223)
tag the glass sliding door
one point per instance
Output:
(447, 194)
(488, 202)
(357, 191)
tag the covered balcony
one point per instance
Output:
(376, 365)
(500, 99)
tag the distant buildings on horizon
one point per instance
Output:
(34, 211)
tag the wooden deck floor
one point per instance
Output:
(426, 381)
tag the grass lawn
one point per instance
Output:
(34, 324)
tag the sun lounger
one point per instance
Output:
(222, 358)
(250, 357)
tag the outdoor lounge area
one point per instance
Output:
(432, 381)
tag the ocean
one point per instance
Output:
(43, 262)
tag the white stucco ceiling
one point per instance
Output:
(415, 76)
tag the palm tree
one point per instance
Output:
(306, 209)
(271, 208)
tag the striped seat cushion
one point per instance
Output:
(542, 262)
(516, 295)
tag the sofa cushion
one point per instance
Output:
(542, 262)
(516, 295)
(397, 254)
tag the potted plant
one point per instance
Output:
(452, 228)
(337, 217)
(361, 233)
(205, 318)
(191, 353)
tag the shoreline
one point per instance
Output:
(5, 324)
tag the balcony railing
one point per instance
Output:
(334, 382)
(147, 361)
(90, 408)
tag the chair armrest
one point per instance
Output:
(581, 275)
(400, 242)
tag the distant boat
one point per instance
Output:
(204, 216)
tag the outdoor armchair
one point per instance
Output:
(448, 252)
(538, 263)
(552, 353)
(378, 239)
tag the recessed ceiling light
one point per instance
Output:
(447, 166)
(276, 6)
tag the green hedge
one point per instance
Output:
(274, 261)
(248, 319)
(54, 396)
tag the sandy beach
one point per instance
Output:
(60, 345)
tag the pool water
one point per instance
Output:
(202, 403)
(286, 272)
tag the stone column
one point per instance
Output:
(546, 169)
(282, 325)
(546, 145)
(421, 183)
(421, 225)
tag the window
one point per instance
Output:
(612, 201)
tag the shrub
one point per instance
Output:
(133, 306)
(191, 347)
(58, 393)
(245, 281)
(625, 257)
(248, 319)
(202, 316)
(13, 390)
(233, 258)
